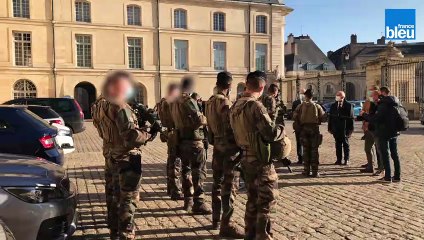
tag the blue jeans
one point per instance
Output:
(384, 146)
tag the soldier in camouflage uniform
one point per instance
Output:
(253, 131)
(173, 164)
(225, 158)
(270, 102)
(117, 126)
(189, 123)
(307, 118)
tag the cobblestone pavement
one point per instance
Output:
(343, 204)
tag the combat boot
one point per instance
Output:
(200, 208)
(306, 172)
(231, 230)
(216, 224)
(188, 204)
(315, 174)
(177, 196)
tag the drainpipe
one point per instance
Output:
(158, 51)
(249, 38)
(54, 51)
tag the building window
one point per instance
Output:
(24, 89)
(219, 22)
(329, 89)
(83, 11)
(181, 54)
(180, 18)
(135, 58)
(140, 94)
(22, 42)
(219, 55)
(83, 43)
(21, 8)
(261, 56)
(403, 88)
(261, 23)
(134, 15)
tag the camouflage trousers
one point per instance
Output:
(311, 139)
(173, 171)
(225, 181)
(122, 184)
(193, 171)
(262, 185)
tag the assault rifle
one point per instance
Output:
(147, 115)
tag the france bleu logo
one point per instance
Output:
(400, 24)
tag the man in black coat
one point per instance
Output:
(340, 124)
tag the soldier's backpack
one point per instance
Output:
(309, 112)
(401, 118)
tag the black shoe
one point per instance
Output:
(347, 162)
(216, 224)
(396, 179)
(306, 173)
(364, 166)
(338, 162)
(367, 170)
(315, 175)
(384, 179)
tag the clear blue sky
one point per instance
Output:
(331, 22)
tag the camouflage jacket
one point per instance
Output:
(308, 113)
(189, 120)
(249, 118)
(164, 112)
(118, 127)
(217, 112)
(271, 106)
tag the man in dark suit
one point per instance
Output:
(340, 124)
(299, 146)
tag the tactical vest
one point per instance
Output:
(102, 120)
(216, 123)
(187, 118)
(309, 113)
(164, 112)
(245, 133)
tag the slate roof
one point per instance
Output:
(263, 1)
(375, 50)
(307, 52)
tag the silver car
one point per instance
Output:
(37, 200)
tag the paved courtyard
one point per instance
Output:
(343, 204)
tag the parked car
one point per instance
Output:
(64, 135)
(357, 107)
(38, 201)
(5, 233)
(67, 108)
(23, 132)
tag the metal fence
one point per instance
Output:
(406, 80)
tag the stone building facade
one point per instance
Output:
(56, 48)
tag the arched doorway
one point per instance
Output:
(85, 94)
(350, 91)
(141, 94)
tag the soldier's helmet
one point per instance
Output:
(224, 79)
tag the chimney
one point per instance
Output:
(353, 39)
(290, 38)
(381, 41)
(329, 53)
(294, 48)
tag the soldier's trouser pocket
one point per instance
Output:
(130, 174)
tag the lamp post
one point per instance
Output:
(319, 86)
(297, 86)
(345, 59)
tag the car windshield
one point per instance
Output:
(36, 120)
(43, 112)
(59, 105)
